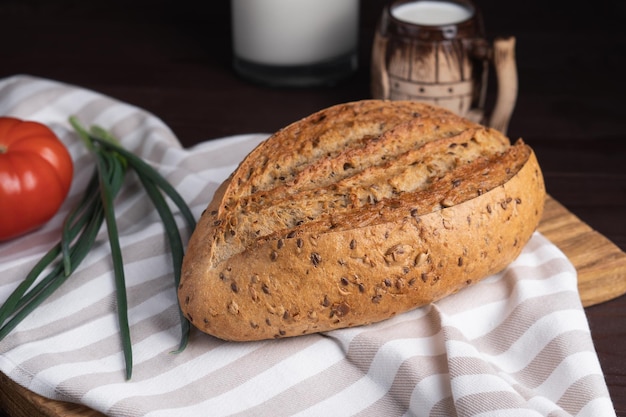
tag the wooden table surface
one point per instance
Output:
(173, 58)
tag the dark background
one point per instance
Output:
(173, 58)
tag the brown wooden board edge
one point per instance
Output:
(17, 401)
(601, 267)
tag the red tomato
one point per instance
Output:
(35, 175)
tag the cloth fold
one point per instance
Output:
(516, 344)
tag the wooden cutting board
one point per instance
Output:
(601, 267)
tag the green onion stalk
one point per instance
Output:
(81, 227)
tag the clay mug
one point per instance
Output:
(436, 51)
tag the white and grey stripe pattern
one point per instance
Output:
(516, 344)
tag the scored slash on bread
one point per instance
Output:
(354, 214)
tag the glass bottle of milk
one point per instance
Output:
(295, 43)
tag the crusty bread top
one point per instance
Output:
(342, 159)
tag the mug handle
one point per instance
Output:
(506, 74)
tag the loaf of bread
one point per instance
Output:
(355, 214)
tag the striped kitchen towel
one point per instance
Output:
(516, 344)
